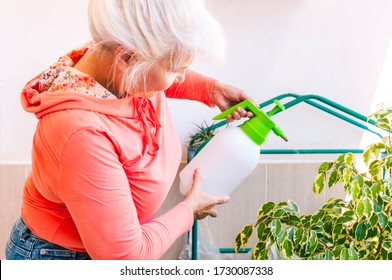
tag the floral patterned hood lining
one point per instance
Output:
(61, 76)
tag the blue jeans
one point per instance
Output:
(25, 245)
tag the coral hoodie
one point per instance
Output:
(102, 166)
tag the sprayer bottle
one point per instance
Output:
(232, 154)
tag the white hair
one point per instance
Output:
(153, 30)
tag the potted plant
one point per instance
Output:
(359, 228)
(200, 138)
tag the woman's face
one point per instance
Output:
(161, 75)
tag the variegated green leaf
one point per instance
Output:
(368, 206)
(346, 175)
(379, 146)
(387, 244)
(367, 192)
(376, 189)
(353, 255)
(246, 234)
(319, 183)
(276, 227)
(360, 180)
(260, 252)
(263, 219)
(371, 232)
(373, 220)
(293, 206)
(316, 218)
(287, 248)
(374, 169)
(312, 244)
(260, 230)
(342, 239)
(337, 231)
(325, 166)
(343, 219)
(382, 220)
(281, 237)
(378, 204)
(340, 159)
(291, 233)
(344, 255)
(388, 186)
(385, 126)
(305, 219)
(337, 250)
(388, 162)
(266, 208)
(360, 232)
(355, 190)
(360, 209)
(328, 226)
(329, 255)
(348, 159)
(267, 233)
(318, 257)
(349, 213)
(388, 207)
(237, 243)
(294, 220)
(366, 155)
(279, 213)
(333, 178)
(299, 236)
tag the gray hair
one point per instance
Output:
(153, 30)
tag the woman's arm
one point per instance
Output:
(195, 87)
(211, 92)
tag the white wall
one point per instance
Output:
(33, 35)
(332, 48)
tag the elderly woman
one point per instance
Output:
(105, 150)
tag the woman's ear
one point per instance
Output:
(124, 59)
(127, 57)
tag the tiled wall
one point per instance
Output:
(276, 181)
(12, 177)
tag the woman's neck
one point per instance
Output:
(98, 65)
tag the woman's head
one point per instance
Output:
(143, 33)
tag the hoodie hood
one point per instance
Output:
(62, 87)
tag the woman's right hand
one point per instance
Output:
(203, 204)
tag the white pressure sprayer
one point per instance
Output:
(232, 154)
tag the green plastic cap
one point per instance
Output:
(257, 127)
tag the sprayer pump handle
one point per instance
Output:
(246, 104)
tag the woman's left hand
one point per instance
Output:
(225, 96)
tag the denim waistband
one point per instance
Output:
(23, 244)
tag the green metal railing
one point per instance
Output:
(357, 119)
(341, 112)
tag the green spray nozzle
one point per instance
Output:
(257, 127)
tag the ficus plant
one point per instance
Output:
(359, 227)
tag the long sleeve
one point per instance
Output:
(195, 87)
(97, 193)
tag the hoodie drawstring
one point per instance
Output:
(150, 122)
